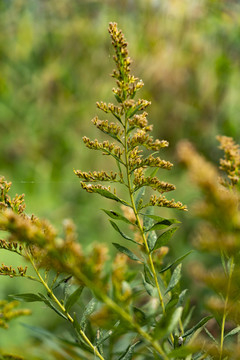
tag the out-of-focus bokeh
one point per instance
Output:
(56, 58)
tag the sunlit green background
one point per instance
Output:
(55, 61)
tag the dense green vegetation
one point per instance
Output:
(55, 58)
(54, 68)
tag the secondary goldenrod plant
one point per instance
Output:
(8, 309)
(218, 235)
(136, 309)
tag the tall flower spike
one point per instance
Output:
(127, 84)
(132, 135)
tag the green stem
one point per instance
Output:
(139, 223)
(61, 306)
(225, 308)
(128, 318)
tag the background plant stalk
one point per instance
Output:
(225, 307)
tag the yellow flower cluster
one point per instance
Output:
(8, 312)
(109, 128)
(110, 108)
(16, 204)
(140, 121)
(11, 246)
(10, 271)
(163, 202)
(231, 162)
(96, 175)
(140, 180)
(105, 146)
(90, 188)
(142, 138)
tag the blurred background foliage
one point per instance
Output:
(55, 59)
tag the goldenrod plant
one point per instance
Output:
(136, 308)
(8, 309)
(218, 235)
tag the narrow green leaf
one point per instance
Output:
(133, 111)
(40, 331)
(159, 219)
(223, 262)
(105, 335)
(128, 354)
(147, 223)
(113, 155)
(55, 340)
(62, 281)
(188, 317)
(151, 240)
(176, 316)
(210, 335)
(148, 287)
(164, 238)
(119, 168)
(117, 117)
(140, 316)
(114, 225)
(233, 332)
(119, 100)
(116, 137)
(81, 342)
(126, 251)
(230, 265)
(66, 290)
(177, 261)
(151, 173)
(148, 275)
(176, 276)
(131, 128)
(147, 218)
(172, 303)
(139, 197)
(116, 216)
(88, 311)
(168, 323)
(182, 297)
(52, 337)
(51, 306)
(28, 297)
(161, 223)
(97, 336)
(107, 194)
(197, 326)
(73, 298)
